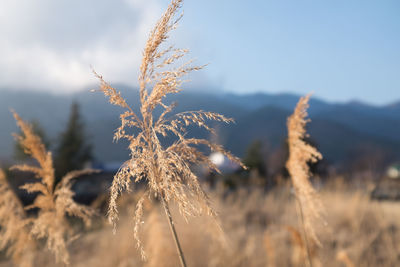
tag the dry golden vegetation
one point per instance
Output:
(14, 235)
(166, 169)
(261, 229)
(337, 226)
(300, 155)
(54, 202)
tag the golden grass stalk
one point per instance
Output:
(14, 234)
(344, 258)
(269, 249)
(301, 251)
(54, 201)
(166, 169)
(158, 245)
(300, 154)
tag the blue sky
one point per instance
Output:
(340, 50)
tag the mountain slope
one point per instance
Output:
(338, 129)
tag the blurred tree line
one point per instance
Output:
(268, 168)
(72, 149)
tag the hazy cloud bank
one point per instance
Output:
(52, 44)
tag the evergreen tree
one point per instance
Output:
(254, 159)
(73, 150)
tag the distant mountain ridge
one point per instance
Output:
(337, 128)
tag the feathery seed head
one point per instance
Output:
(53, 201)
(167, 169)
(300, 154)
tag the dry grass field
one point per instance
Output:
(261, 229)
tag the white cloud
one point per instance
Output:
(47, 44)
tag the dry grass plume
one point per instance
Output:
(14, 234)
(166, 169)
(300, 155)
(54, 201)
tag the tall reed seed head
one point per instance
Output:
(300, 154)
(166, 169)
(54, 201)
(14, 234)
